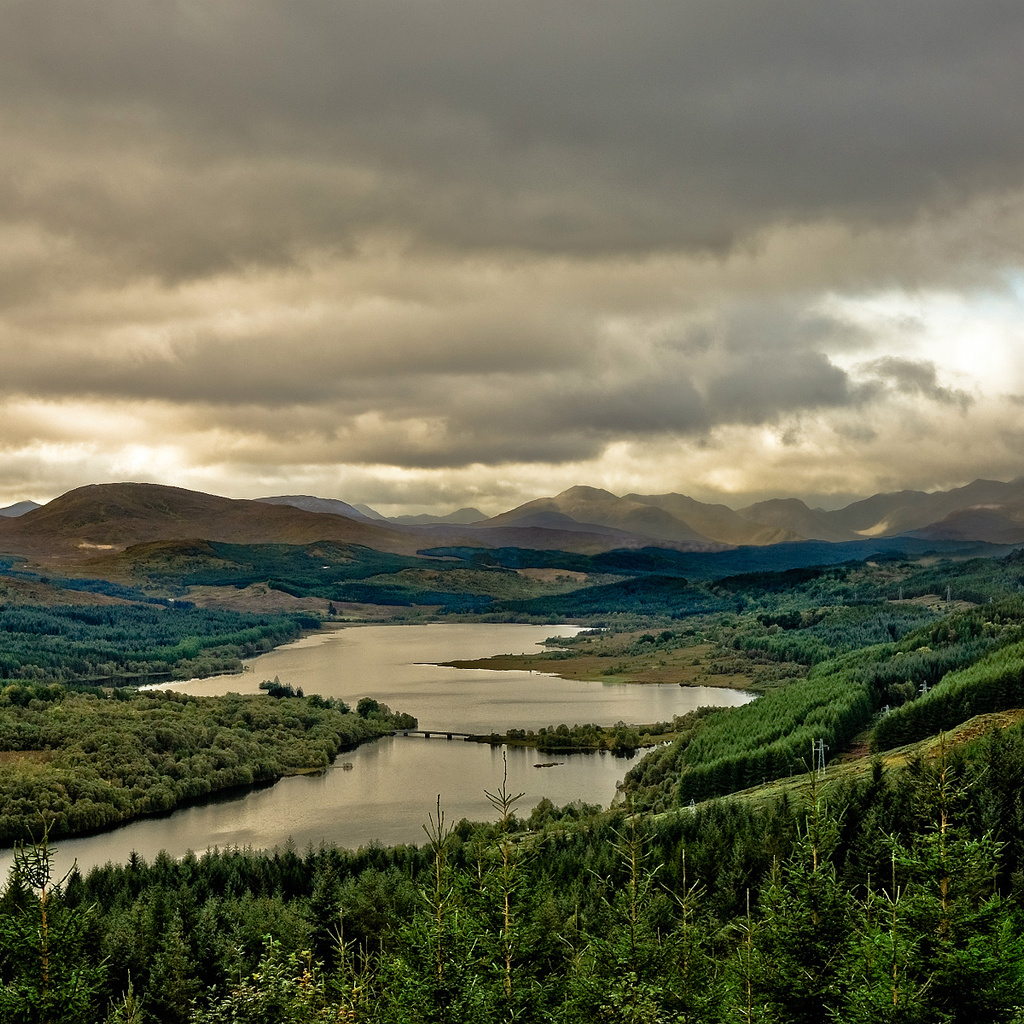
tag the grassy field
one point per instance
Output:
(610, 658)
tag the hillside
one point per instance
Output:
(95, 522)
(110, 517)
(718, 521)
(999, 525)
(591, 505)
(903, 511)
(793, 515)
(985, 510)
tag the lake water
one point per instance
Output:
(392, 785)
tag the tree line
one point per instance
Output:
(895, 898)
(86, 761)
(69, 643)
(934, 678)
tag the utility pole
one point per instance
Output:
(818, 749)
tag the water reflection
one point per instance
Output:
(386, 796)
(397, 665)
(393, 784)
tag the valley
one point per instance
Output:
(813, 698)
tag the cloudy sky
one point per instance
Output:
(431, 253)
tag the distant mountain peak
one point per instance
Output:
(112, 516)
(460, 517)
(780, 503)
(19, 508)
(370, 513)
(322, 506)
(581, 492)
(586, 507)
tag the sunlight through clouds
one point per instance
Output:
(359, 251)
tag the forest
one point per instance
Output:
(84, 761)
(117, 643)
(717, 889)
(931, 679)
(893, 898)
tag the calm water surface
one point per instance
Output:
(397, 665)
(393, 784)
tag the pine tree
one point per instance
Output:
(46, 976)
(698, 983)
(888, 984)
(286, 988)
(803, 948)
(644, 970)
(172, 978)
(433, 975)
(968, 957)
(502, 902)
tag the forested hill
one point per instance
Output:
(520, 581)
(713, 565)
(123, 641)
(84, 761)
(894, 898)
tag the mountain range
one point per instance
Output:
(90, 522)
(985, 510)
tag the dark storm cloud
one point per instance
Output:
(452, 386)
(765, 386)
(221, 132)
(916, 377)
(430, 234)
(457, 419)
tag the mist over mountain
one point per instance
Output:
(370, 513)
(460, 517)
(985, 510)
(326, 506)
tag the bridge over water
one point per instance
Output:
(448, 734)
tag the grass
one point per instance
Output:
(859, 766)
(604, 659)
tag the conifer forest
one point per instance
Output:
(735, 877)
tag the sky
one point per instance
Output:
(425, 254)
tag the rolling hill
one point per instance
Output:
(985, 510)
(99, 520)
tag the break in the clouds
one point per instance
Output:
(437, 252)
